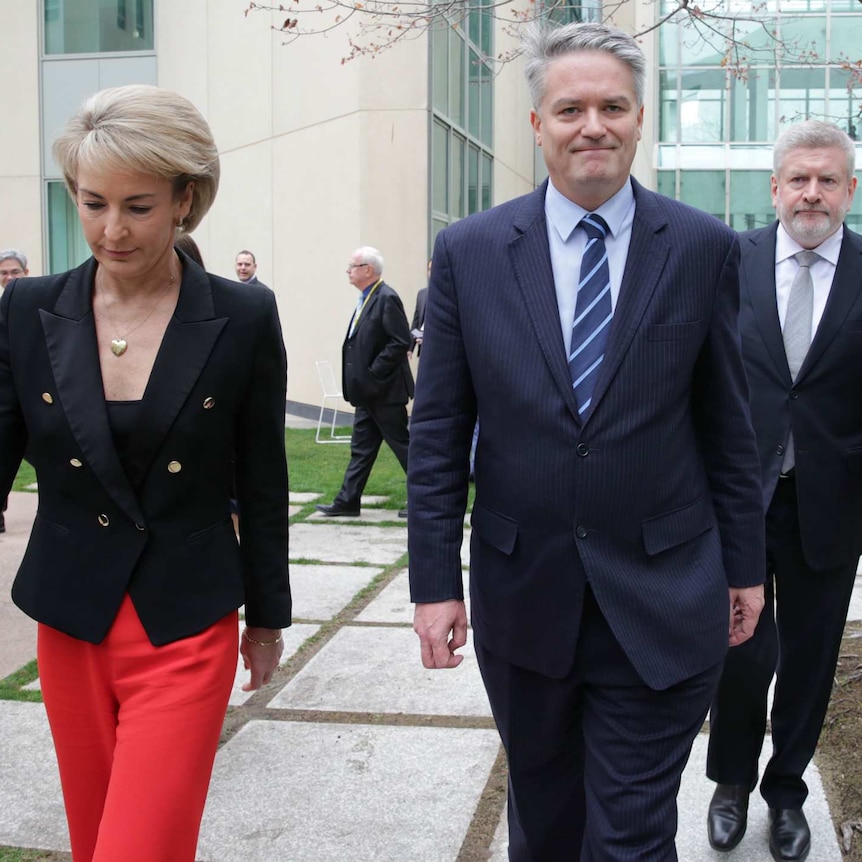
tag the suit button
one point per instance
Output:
(779, 450)
(174, 467)
(583, 450)
(47, 397)
(140, 527)
(794, 394)
(209, 402)
(76, 462)
(581, 532)
(104, 520)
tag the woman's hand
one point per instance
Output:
(261, 650)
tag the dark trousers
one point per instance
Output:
(798, 639)
(371, 426)
(595, 759)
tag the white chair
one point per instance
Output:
(331, 390)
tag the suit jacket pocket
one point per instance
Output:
(673, 331)
(676, 527)
(499, 531)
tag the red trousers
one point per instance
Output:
(136, 728)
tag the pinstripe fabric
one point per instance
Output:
(653, 497)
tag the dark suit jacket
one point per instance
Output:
(824, 405)
(654, 497)
(216, 394)
(374, 366)
(418, 318)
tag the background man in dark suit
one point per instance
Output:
(617, 526)
(376, 378)
(13, 264)
(801, 281)
(246, 268)
(418, 323)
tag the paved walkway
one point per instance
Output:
(354, 752)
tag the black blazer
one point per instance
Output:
(654, 496)
(374, 366)
(824, 406)
(216, 396)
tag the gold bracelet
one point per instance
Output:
(251, 640)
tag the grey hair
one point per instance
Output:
(14, 254)
(145, 129)
(813, 134)
(371, 256)
(544, 43)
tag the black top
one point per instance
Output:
(125, 419)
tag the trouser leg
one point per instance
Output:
(364, 445)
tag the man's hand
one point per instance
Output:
(745, 607)
(434, 622)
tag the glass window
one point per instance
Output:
(844, 99)
(667, 183)
(456, 81)
(487, 170)
(439, 168)
(750, 200)
(804, 36)
(845, 37)
(66, 244)
(704, 190)
(458, 210)
(802, 96)
(98, 26)
(753, 106)
(440, 68)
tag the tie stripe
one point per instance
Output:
(593, 312)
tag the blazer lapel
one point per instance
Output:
(758, 280)
(70, 335)
(185, 349)
(645, 262)
(844, 292)
(531, 261)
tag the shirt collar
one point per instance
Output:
(829, 249)
(565, 215)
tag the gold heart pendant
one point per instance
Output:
(118, 346)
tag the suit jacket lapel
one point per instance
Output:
(645, 262)
(70, 335)
(758, 280)
(843, 293)
(531, 261)
(185, 349)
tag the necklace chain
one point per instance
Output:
(120, 343)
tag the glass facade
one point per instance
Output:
(98, 26)
(726, 94)
(462, 117)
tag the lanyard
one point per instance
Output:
(359, 310)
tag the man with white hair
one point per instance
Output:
(376, 378)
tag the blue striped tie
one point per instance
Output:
(592, 312)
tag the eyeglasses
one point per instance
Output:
(356, 265)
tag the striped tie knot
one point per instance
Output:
(594, 225)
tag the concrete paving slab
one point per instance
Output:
(366, 515)
(294, 638)
(293, 510)
(302, 497)
(393, 604)
(17, 630)
(341, 793)
(31, 802)
(369, 669)
(854, 612)
(347, 544)
(320, 592)
(693, 803)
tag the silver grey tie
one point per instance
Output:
(797, 330)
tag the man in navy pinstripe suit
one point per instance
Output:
(617, 538)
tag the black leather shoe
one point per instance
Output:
(789, 835)
(402, 513)
(2, 523)
(336, 510)
(728, 816)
